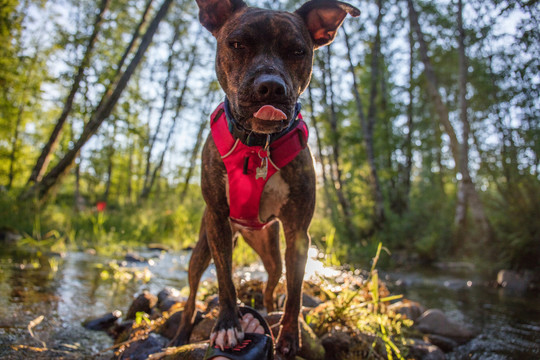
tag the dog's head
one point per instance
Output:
(265, 57)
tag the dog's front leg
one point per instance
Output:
(227, 331)
(298, 242)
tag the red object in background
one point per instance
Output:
(101, 205)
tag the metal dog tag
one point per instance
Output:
(262, 171)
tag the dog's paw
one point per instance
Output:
(227, 333)
(288, 344)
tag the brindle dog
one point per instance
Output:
(264, 57)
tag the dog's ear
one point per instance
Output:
(214, 13)
(324, 17)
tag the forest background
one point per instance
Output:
(424, 120)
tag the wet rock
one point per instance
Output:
(513, 281)
(170, 327)
(168, 297)
(103, 322)
(422, 350)
(435, 322)
(337, 345)
(310, 301)
(120, 332)
(444, 343)
(411, 309)
(273, 320)
(212, 302)
(135, 258)
(202, 330)
(144, 302)
(9, 235)
(312, 347)
(158, 247)
(90, 251)
(142, 349)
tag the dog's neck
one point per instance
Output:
(251, 138)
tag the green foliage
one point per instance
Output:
(363, 312)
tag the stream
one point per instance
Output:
(45, 298)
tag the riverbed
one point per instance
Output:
(44, 298)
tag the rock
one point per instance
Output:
(312, 347)
(142, 349)
(136, 258)
(9, 235)
(337, 345)
(435, 322)
(422, 350)
(103, 322)
(310, 301)
(158, 247)
(168, 297)
(411, 309)
(120, 332)
(144, 302)
(202, 330)
(170, 327)
(513, 281)
(444, 343)
(212, 302)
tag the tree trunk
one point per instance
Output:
(14, 141)
(314, 120)
(336, 174)
(43, 161)
(410, 123)
(442, 112)
(166, 91)
(367, 123)
(460, 219)
(110, 165)
(42, 188)
(368, 129)
(198, 143)
(179, 105)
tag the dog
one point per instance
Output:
(264, 62)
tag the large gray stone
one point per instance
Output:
(434, 321)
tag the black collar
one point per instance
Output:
(250, 138)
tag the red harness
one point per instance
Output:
(250, 167)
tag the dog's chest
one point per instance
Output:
(274, 196)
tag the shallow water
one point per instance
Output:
(68, 289)
(508, 324)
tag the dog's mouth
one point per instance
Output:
(270, 113)
(266, 118)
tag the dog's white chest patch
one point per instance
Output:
(274, 196)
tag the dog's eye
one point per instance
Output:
(237, 45)
(299, 52)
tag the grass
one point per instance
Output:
(363, 312)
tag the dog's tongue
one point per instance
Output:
(268, 112)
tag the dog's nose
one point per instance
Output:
(270, 87)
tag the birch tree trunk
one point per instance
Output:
(442, 112)
(42, 188)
